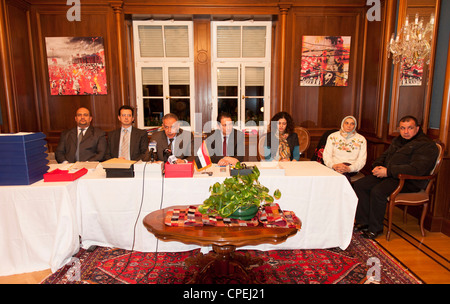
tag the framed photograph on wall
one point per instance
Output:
(76, 65)
(411, 74)
(325, 61)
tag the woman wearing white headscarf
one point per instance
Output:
(346, 150)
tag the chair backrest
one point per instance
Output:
(262, 140)
(437, 167)
(303, 139)
(317, 156)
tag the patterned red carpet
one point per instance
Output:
(332, 266)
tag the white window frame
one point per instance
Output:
(165, 63)
(242, 63)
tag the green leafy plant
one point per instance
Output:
(239, 191)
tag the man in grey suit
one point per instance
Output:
(127, 142)
(82, 143)
(226, 145)
(172, 140)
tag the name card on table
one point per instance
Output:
(151, 169)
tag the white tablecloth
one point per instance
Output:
(323, 199)
(38, 228)
(40, 224)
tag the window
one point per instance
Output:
(241, 70)
(164, 71)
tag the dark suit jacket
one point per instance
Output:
(138, 144)
(416, 156)
(184, 145)
(235, 145)
(92, 147)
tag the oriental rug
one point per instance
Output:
(362, 262)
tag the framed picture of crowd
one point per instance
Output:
(411, 74)
(325, 61)
(76, 65)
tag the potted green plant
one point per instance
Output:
(238, 196)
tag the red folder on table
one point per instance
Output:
(58, 175)
(179, 170)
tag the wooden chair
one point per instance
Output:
(304, 139)
(262, 140)
(423, 197)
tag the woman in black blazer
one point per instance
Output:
(281, 133)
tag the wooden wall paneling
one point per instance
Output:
(21, 61)
(202, 64)
(59, 111)
(130, 67)
(324, 107)
(7, 103)
(376, 83)
(376, 73)
(176, 7)
(444, 127)
(414, 100)
(117, 7)
(19, 103)
(441, 206)
(283, 103)
(275, 77)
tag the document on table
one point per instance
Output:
(88, 165)
(117, 163)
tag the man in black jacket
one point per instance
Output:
(412, 152)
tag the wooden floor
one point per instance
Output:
(426, 257)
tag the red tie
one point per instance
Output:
(224, 146)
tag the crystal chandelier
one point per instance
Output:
(413, 42)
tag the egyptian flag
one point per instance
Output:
(202, 159)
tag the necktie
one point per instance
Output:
(124, 149)
(80, 138)
(170, 144)
(224, 147)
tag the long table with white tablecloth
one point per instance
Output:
(109, 211)
(38, 226)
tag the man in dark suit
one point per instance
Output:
(172, 140)
(226, 145)
(127, 142)
(412, 152)
(82, 143)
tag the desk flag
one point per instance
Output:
(202, 159)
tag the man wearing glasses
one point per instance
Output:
(412, 152)
(172, 142)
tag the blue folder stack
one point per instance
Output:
(23, 158)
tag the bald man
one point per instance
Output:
(82, 143)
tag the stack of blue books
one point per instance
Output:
(23, 158)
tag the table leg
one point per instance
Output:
(223, 265)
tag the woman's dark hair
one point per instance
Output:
(290, 122)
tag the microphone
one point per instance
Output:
(152, 149)
(167, 152)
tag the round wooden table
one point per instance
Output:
(222, 263)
